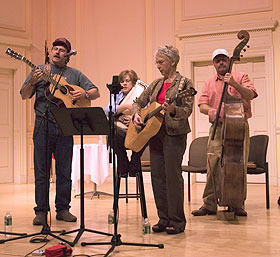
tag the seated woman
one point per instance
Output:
(127, 79)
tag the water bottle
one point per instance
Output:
(111, 221)
(8, 223)
(146, 230)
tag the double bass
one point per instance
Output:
(232, 161)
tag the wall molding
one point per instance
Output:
(221, 30)
(15, 41)
(191, 11)
(19, 140)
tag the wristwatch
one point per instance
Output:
(87, 95)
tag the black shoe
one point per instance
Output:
(39, 219)
(124, 175)
(132, 174)
(65, 215)
(157, 228)
(239, 212)
(203, 211)
(173, 230)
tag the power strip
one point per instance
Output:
(39, 252)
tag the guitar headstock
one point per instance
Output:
(142, 83)
(14, 54)
(18, 56)
(187, 92)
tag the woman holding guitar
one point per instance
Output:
(167, 147)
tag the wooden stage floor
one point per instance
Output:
(255, 235)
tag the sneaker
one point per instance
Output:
(39, 219)
(65, 215)
(203, 211)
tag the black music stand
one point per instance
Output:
(82, 121)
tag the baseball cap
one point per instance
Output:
(62, 41)
(218, 52)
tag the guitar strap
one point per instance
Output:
(181, 85)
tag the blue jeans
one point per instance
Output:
(62, 148)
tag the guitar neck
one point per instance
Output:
(158, 109)
(48, 77)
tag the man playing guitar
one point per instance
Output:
(58, 145)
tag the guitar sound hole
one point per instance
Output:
(63, 90)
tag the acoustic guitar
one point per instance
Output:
(152, 119)
(58, 91)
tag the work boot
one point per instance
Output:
(239, 212)
(39, 219)
(203, 211)
(65, 215)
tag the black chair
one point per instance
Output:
(145, 166)
(127, 195)
(257, 157)
(197, 159)
(139, 190)
(145, 160)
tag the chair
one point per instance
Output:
(139, 191)
(257, 156)
(197, 159)
(145, 160)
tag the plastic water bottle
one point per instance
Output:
(111, 221)
(8, 223)
(146, 230)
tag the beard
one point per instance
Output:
(222, 70)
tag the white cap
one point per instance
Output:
(219, 51)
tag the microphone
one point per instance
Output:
(72, 52)
(115, 87)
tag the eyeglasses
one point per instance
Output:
(160, 62)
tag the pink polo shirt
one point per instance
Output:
(213, 89)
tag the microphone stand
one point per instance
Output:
(114, 88)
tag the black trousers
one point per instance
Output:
(124, 166)
(167, 181)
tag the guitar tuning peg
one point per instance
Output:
(241, 55)
(244, 50)
(248, 46)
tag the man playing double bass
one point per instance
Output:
(239, 85)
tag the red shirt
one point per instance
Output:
(161, 95)
(213, 88)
